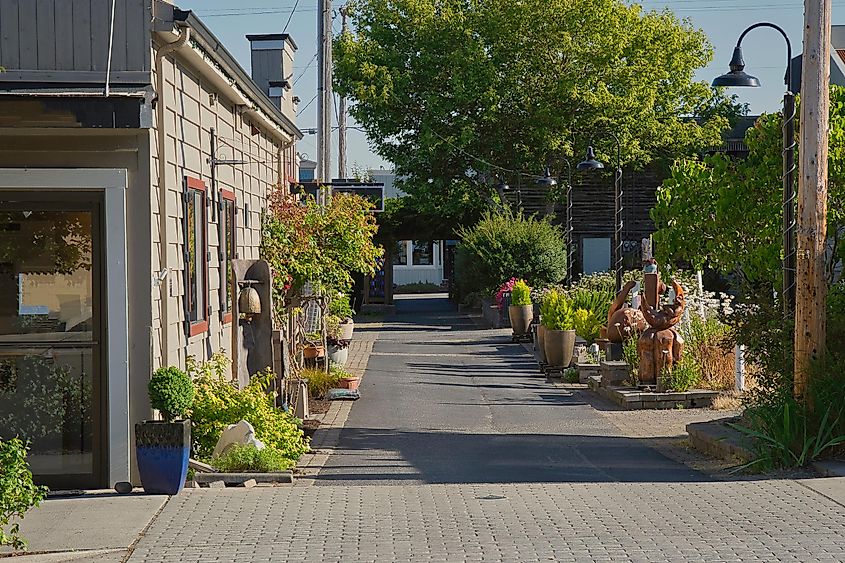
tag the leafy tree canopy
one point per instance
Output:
(727, 214)
(447, 90)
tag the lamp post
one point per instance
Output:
(738, 78)
(590, 163)
(548, 182)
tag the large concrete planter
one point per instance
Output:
(521, 317)
(347, 327)
(338, 354)
(560, 345)
(541, 342)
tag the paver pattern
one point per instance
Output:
(458, 452)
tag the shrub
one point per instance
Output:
(595, 301)
(171, 392)
(503, 245)
(17, 491)
(570, 375)
(340, 307)
(587, 324)
(556, 311)
(683, 376)
(417, 287)
(319, 382)
(707, 342)
(632, 357)
(246, 457)
(520, 293)
(219, 403)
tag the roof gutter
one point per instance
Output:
(216, 57)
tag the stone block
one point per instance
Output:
(249, 483)
(613, 350)
(217, 485)
(613, 373)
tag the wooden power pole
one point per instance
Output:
(324, 91)
(341, 116)
(811, 288)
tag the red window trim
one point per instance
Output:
(229, 195)
(200, 326)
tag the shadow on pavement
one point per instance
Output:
(452, 458)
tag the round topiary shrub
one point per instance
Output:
(171, 392)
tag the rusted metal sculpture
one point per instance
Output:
(623, 321)
(660, 346)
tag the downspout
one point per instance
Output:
(164, 241)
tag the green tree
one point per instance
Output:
(727, 214)
(439, 84)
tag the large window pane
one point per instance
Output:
(45, 272)
(400, 256)
(197, 249)
(423, 253)
(47, 397)
(228, 251)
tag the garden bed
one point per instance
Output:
(633, 398)
(238, 479)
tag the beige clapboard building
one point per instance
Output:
(135, 162)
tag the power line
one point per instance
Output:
(251, 13)
(290, 17)
(314, 58)
(308, 104)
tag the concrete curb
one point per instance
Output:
(719, 440)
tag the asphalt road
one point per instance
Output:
(445, 402)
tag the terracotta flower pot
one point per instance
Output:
(521, 316)
(560, 345)
(541, 342)
(350, 382)
(312, 352)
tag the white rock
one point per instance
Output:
(241, 433)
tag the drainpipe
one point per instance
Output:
(164, 240)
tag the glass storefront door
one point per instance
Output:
(50, 339)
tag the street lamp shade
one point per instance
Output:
(502, 186)
(546, 181)
(590, 162)
(737, 77)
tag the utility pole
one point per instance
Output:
(324, 91)
(341, 118)
(811, 288)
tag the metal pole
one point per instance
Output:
(789, 144)
(789, 254)
(569, 246)
(617, 235)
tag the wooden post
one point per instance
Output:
(811, 290)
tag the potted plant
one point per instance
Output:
(558, 318)
(346, 379)
(342, 309)
(521, 310)
(313, 346)
(338, 345)
(163, 446)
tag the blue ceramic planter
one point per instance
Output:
(162, 450)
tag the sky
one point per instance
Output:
(722, 21)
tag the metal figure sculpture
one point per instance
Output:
(660, 347)
(623, 321)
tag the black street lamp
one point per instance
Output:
(738, 78)
(590, 163)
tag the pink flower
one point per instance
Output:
(506, 287)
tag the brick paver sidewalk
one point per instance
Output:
(458, 452)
